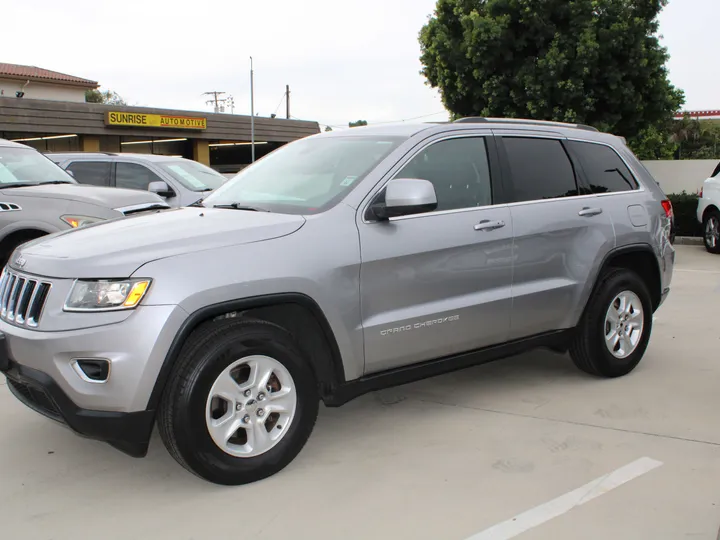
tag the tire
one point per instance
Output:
(588, 349)
(711, 231)
(187, 410)
(15, 241)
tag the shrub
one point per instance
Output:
(685, 211)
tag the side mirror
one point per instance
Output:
(161, 188)
(404, 197)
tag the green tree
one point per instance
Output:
(654, 142)
(359, 123)
(108, 97)
(328, 128)
(596, 62)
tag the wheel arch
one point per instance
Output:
(641, 259)
(710, 208)
(19, 235)
(297, 313)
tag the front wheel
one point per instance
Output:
(711, 231)
(240, 404)
(614, 331)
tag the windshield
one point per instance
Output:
(193, 175)
(28, 166)
(305, 177)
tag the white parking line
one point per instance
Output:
(552, 509)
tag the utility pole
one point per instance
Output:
(287, 100)
(215, 99)
(252, 113)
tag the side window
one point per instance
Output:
(459, 170)
(605, 171)
(96, 173)
(540, 169)
(134, 176)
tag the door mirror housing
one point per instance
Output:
(404, 197)
(161, 188)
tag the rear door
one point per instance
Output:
(439, 283)
(559, 228)
(91, 172)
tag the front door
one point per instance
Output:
(560, 230)
(439, 283)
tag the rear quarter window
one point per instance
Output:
(605, 171)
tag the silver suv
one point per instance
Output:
(178, 181)
(37, 198)
(337, 265)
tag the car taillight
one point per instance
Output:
(667, 206)
(700, 194)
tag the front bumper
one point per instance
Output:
(39, 368)
(128, 432)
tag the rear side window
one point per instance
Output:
(605, 171)
(96, 173)
(540, 169)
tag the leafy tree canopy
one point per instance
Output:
(596, 62)
(359, 123)
(108, 97)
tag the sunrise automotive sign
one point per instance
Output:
(131, 119)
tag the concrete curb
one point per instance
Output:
(688, 241)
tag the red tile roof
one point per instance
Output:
(15, 71)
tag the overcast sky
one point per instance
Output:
(344, 60)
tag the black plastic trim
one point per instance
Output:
(350, 390)
(332, 374)
(128, 432)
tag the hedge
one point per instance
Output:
(685, 211)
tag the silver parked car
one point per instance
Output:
(337, 265)
(178, 181)
(37, 198)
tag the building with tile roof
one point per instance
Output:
(32, 82)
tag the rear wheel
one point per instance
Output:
(711, 231)
(241, 403)
(615, 329)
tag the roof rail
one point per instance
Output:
(481, 119)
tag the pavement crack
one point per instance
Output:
(561, 421)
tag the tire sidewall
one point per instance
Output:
(622, 281)
(195, 443)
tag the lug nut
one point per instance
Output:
(238, 406)
(247, 393)
(261, 396)
(260, 412)
(246, 419)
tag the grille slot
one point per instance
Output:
(22, 299)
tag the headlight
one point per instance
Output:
(110, 295)
(79, 221)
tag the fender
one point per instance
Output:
(329, 376)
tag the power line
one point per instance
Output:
(281, 102)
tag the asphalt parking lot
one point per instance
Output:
(506, 445)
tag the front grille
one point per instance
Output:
(35, 398)
(22, 298)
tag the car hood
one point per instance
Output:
(100, 196)
(116, 248)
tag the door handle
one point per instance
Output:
(487, 225)
(588, 212)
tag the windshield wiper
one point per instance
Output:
(238, 206)
(31, 184)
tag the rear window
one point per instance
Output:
(605, 171)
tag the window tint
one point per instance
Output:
(134, 176)
(540, 169)
(459, 170)
(96, 173)
(604, 169)
(716, 172)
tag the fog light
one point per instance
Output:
(94, 370)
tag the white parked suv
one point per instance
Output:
(708, 211)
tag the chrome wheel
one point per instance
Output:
(624, 324)
(712, 232)
(251, 406)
